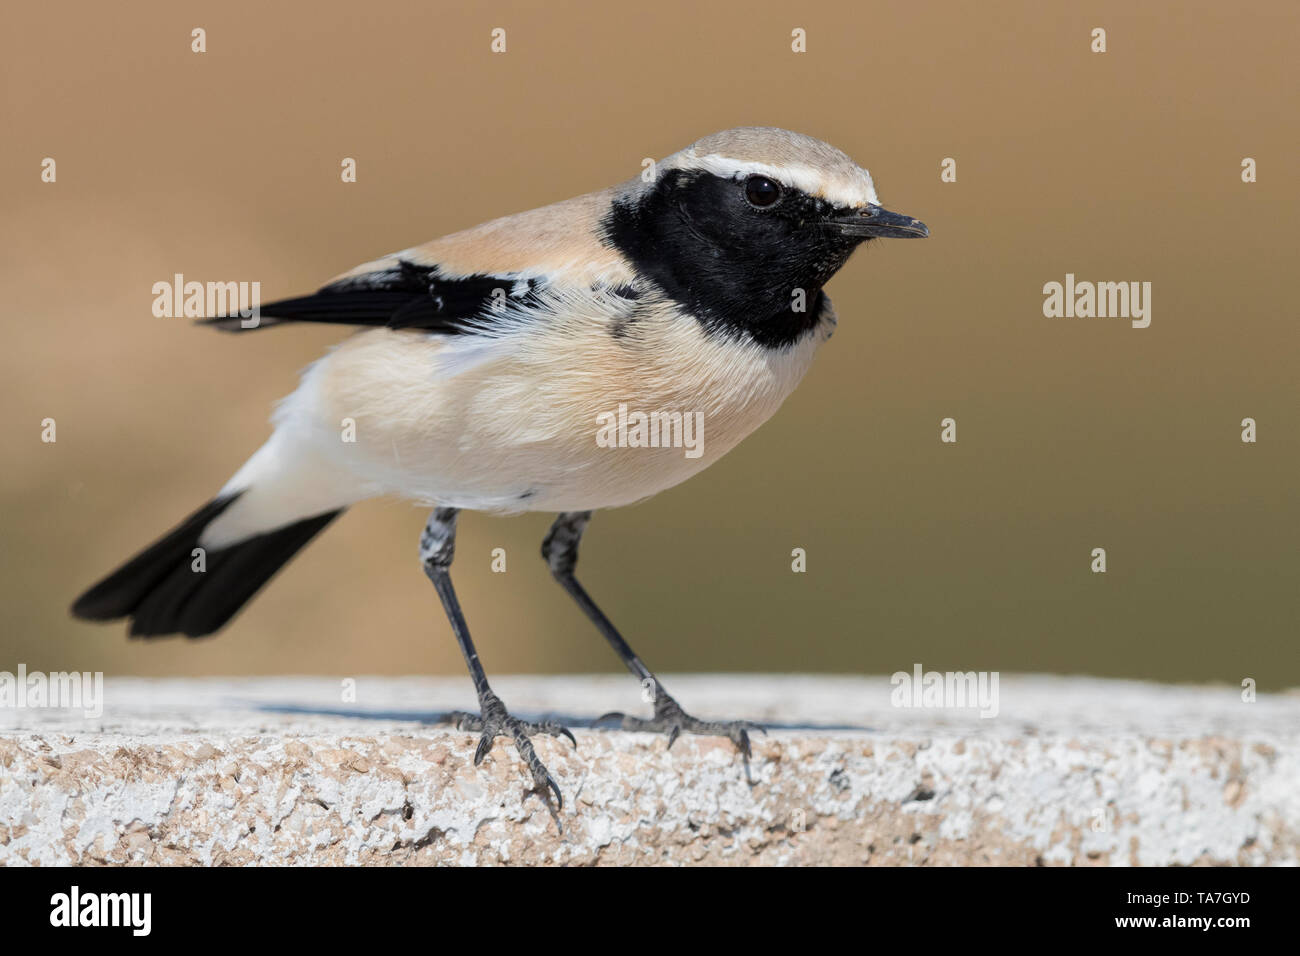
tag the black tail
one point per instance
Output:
(162, 593)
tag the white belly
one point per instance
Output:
(522, 423)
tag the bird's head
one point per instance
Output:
(737, 225)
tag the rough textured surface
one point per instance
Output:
(279, 770)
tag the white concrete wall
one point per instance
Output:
(283, 770)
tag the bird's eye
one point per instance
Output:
(762, 192)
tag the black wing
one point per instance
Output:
(405, 296)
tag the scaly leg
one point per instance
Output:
(560, 549)
(437, 547)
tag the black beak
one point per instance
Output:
(871, 222)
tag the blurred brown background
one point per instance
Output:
(1073, 433)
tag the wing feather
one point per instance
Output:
(459, 283)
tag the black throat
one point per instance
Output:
(752, 274)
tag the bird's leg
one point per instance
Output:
(437, 547)
(560, 549)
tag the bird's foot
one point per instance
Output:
(495, 721)
(670, 719)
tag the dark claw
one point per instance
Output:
(495, 721)
(464, 721)
(554, 729)
(669, 718)
(559, 799)
(743, 744)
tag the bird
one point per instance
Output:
(488, 364)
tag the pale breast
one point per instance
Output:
(557, 416)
